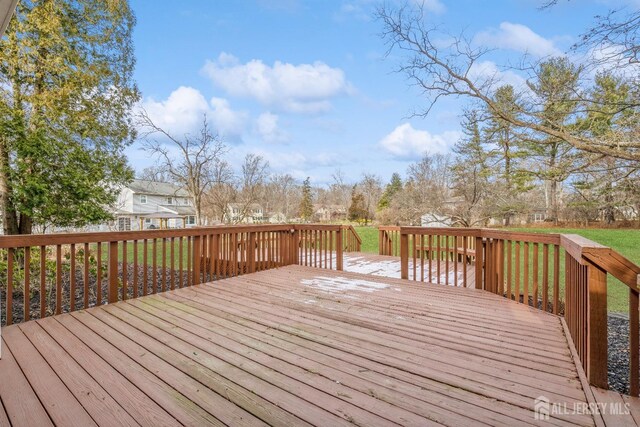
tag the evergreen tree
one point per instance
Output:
(471, 183)
(393, 187)
(357, 208)
(306, 203)
(66, 93)
(556, 87)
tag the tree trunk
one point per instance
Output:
(9, 214)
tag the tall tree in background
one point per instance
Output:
(66, 93)
(198, 157)
(306, 203)
(555, 87)
(471, 177)
(507, 143)
(393, 187)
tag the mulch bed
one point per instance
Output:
(50, 293)
(618, 363)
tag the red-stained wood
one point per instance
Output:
(72, 278)
(9, 309)
(26, 292)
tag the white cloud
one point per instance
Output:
(268, 129)
(184, 108)
(406, 142)
(303, 88)
(517, 37)
(487, 73)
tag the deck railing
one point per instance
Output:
(50, 274)
(525, 267)
(389, 240)
(351, 240)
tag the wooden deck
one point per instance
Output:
(292, 346)
(389, 266)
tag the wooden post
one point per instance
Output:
(634, 344)
(197, 257)
(597, 327)
(479, 262)
(380, 242)
(404, 255)
(339, 249)
(112, 273)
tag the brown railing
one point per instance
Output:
(525, 267)
(389, 240)
(54, 273)
(351, 239)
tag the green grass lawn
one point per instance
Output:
(627, 242)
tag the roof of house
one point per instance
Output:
(142, 186)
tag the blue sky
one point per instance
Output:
(306, 85)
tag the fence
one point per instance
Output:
(49, 274)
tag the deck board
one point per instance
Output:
(292, 346)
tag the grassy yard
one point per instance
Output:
(627, 242)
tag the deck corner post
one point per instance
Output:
(112, 273)
(295, 246)
(597, 346)
(404, 255)
(479, 262)
(339, 249)
(380, 242)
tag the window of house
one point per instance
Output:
(169, 200)
(143, 199)
(191, 220)
(124, 223)
(147, 220)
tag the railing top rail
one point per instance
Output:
(389, 227)
(604, 257)
(18, 241)
(444, 231)
(547, 238)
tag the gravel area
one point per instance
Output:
(618, 363)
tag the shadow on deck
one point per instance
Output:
(296, 346)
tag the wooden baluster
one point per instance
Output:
(9, 310)
(135, 269)
(112, 295)
(180, 262)
(339, 250)
(509, 270)
(525, 298)
(556, 279)
(479, 262)
(58, 279)
(517, 278)
(172, 264)
(145, 267)
(163, 276)
(99, 275)
(43, 281)
(414, 249)
(124, 270)
(72, 278)
(465, 243)
(430, 256)
(197, 257)
(27, 283)
(422, 251)
(85, 275)
(438, 258)
(154, 265)
(536, 250)
(545, 277)
(404, 256)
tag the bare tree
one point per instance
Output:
(222, 191)
(281, 193)
(440, 69)
(189, 161)
(371, 188)
(255, 171)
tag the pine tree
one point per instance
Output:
(393, 187)
(306, 204)
(66, 93)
